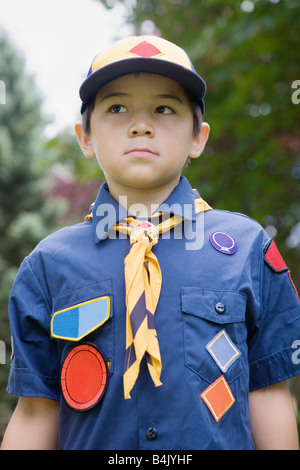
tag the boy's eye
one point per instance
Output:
(164, 110)
(117, 108)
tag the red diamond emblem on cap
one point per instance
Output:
(145, 49)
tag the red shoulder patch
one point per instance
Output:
(274, 259)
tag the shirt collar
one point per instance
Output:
(107, 211)
(181, 201)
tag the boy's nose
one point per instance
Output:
(141, 126)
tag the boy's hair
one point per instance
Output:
(196, 110)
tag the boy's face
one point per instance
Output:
(142, 133)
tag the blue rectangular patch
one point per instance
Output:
(75, 322)
(222, 350)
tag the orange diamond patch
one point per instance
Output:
(218, 397)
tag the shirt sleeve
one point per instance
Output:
(271, 352)
(35, 367)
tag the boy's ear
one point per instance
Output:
(199, 141)
(84, 141)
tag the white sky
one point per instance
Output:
(59, 39)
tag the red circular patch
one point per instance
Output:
(84, 377)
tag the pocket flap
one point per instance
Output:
(215, 306)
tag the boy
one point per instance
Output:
(158, 323)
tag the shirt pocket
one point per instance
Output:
(85, 314)
(214, 332)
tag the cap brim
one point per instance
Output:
(189, 79)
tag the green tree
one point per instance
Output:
(25, 218)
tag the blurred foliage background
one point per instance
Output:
(44, 184)
(248, 54)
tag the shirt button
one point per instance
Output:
(220, 307)
(151, 434)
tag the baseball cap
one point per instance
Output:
(136, 54)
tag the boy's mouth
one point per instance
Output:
(141, 152)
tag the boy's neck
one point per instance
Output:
(141, 202)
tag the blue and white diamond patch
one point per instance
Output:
(222, 350)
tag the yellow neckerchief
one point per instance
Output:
(143, 284)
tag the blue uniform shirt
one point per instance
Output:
(227, 321)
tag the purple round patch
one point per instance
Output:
(223, 242)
